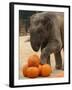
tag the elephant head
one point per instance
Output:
(38, 30)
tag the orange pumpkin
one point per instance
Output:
(32, 72)
(40, 67)
(33, 60)
(25, 70)
(46, 70)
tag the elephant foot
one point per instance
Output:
(63, 67)
(43, 61)
(58, 67)
(46, 61)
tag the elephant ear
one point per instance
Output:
(48, 27)
(47, 22)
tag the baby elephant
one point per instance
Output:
(47, 33)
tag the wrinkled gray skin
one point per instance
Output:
(47, 33)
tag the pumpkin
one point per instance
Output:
(40, 67)
(25, 70)
(32, 72)
(46, 70)
(33, 60)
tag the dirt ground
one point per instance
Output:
(25, 51)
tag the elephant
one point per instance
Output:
(47, 33)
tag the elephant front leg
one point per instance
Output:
(58, 60)
(45, 59)
(52, 47)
